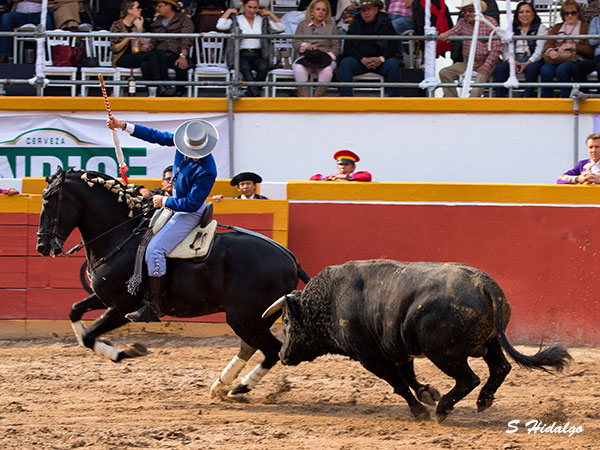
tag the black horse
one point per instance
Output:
(243, 275)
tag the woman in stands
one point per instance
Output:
(558, 62)
(132, 53)
(316, 55)
(255, 54)
(528, 54)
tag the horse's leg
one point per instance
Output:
(110, 320)
(78, 309)
(266, 343)
(232, 370)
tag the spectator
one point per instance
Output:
(254, 53)
(166, 183)
(135, 52)
(528, 54)
(346, 12)
(10, 191)
(23, 11)
(67, 13)
(591, 10)
(440, 19)
(346, 165)
(581, 69)
(171, 20)
(401, 14)
(586, 171)
(560, 55)
(485, 59)
(370, 55)
(246, 183)
(317, 55)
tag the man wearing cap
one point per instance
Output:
(171, 20)
(346, 164)
(370, 55)
(485, 60)
(195, 173)
(246, 183)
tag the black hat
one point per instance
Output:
(317, 59)
(245, 176)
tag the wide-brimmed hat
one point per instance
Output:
(196, 138)
(360, 3)
(465, 3)
(346, 157)
(174, 3)
(245, 176)
(317, 59)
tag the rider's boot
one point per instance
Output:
(150, 311)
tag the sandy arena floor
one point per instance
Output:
(55, 395)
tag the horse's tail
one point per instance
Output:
(555, 357)
(302, 274)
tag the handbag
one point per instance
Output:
(564, 55)
(66, 55)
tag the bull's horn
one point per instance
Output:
(274, 307)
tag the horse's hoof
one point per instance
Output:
(218, 388)
(483, 404)
(420, 413)
(136, 350)
(239, 391)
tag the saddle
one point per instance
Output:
(196, 245)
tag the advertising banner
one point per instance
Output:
(35, 145)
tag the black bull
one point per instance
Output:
(243, 275)
(386, 313)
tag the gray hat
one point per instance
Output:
(196, 138)
(360, 3)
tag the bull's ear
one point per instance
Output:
(294, 307)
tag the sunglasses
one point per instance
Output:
(167, 179)
(571, 13)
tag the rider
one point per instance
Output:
(194, 174)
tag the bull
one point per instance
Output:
(385, 314)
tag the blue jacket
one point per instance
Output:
(193, 179)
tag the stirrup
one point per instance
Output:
(142, 314)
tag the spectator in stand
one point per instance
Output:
(582, 68)
(166, 185)
(68, 14)
(346, 12)
(560, 55)
(485, 60)
(346, 165)
(254, 54)
(587, 171)
(23, 11)
(440, 19)
(361, 56)
(10, 191)
(528, 54)
(135, 52)
(591, 10)
(401, 14)
(247, 184)
(316, 55)
(171, 20)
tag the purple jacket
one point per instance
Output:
(569, 176)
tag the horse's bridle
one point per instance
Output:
(58, 238)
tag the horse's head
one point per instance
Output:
(56, 222)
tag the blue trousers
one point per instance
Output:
(171, 234)
(350, 66)
(11, 20)
(562, 72)
(532, 72)
(401, 24)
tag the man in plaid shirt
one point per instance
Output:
(485, 60)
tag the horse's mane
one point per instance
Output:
(124, 192)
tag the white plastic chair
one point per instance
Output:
(99, 48)
(19, 42)
(210, 61)
(275, 75)
(370, 76)
(55, 71)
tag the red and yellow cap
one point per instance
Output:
(346, 156)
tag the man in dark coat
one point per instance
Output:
(373, 55)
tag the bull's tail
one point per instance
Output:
(555, 357)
